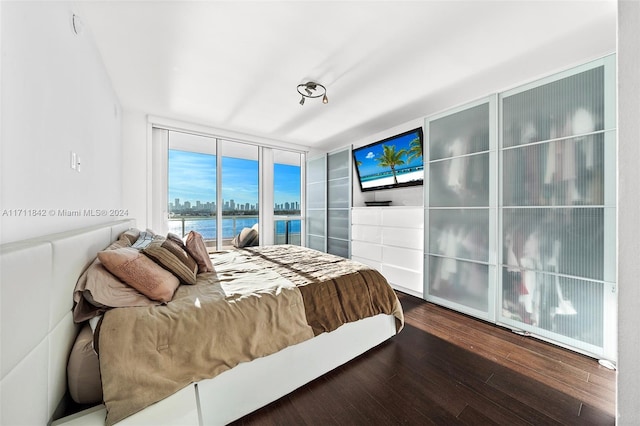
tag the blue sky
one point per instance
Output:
(369, 156)
(192, 177)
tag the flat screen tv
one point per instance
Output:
(395, 162)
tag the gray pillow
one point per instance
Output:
(83, 369)
(246, 238)
(144, 239)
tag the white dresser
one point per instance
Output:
(390, 239)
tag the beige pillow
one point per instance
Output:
(101, 290)
(246, 237)
(168, 254)
(140, 272)
(197, 250)
(131, 234)
(98, 290)
(83, 369)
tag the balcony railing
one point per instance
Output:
(286, 229)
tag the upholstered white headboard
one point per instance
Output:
(37, 278)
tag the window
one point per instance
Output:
(240, 187)
(287, 186)
(217, 187)
(191, 176)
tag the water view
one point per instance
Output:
(231, 226)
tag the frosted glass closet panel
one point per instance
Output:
(329, 202)
(338, 223)
(553, 304)
(339, 193)
(316, 195)
(338, 164)
(460, 182)
(461, 234)
(339, 202)
(448, 139)
(316, 242)
(460, 208)
(316, 211)
(559, 240)
(558, 208)
(338, 247)
(317, 170)
(566, 107)
(462, 284)
(560, 173)
(316, 222)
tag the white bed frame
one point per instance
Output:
(37, 332)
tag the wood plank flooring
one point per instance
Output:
(446, 368)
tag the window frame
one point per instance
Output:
(157, 179)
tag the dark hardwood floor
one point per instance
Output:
(446, 368)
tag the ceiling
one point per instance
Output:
(235, 65)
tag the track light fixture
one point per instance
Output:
(311, 89)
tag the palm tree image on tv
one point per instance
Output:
(392, 158)
(415, 149)
(390, 163)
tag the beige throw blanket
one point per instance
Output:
(258, 301)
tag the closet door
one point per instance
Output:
(460, 209)
(339, 202)
(558, 209)
(316, 226)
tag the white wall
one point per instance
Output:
(628, 212)
(56, 98)
(136, 158)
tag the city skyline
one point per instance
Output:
(228, 205)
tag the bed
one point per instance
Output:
(33, 386)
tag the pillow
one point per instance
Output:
(83, 369)
(176, 239)
(245, 238)
(197, 250)
(168, 254)
(144, 239)
(131, 234)
(256, 226)
(98, 290)
(105, 290)
(140, 272)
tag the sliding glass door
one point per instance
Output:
(287, 199)
(239, 189)
(218, 187)
(192, 186)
